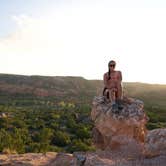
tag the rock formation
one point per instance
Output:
(117, 128)
(125, 129)
(155, 143)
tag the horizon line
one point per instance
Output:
(80, 77)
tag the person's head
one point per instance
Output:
(111, 65)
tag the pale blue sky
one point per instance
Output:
(36, 8)
(56, 37)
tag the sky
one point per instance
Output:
(80, 37)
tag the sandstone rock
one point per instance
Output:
(98, 158)
(63, 159)
(155, 142)
(80, 158)
(116, 129)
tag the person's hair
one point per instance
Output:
(107, 93)
(109, 71)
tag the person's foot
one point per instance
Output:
(119, 103)
(120, 107)
(115, 108)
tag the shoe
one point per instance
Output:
(115, 108)
(119, 103)
(120, 107)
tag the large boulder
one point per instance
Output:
(155, 142)
(114, 129)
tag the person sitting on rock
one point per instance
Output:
(112, 82)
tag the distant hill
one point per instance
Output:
(76, 89)
(153, 95)
(58, 87)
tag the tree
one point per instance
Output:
(61, 139)
(44, 138)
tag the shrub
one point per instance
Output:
(61, 138)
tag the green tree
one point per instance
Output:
(61, 138)
(5, 140)
(78, 145)
(44, 138)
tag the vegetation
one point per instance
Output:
(153, 96)
(37, 128)
(40, 114)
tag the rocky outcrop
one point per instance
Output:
(124, 129)
(155, 143)
(117, 128)
(98, 158)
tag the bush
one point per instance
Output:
(61, 139)
(82, 132)
(34, 147)
(152, 126)
(78, 145)
(9, 151)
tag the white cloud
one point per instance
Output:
(81, 41)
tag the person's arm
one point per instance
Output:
(105, 79)
(121, 84)
(120, 76)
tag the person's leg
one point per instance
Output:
(119, 97)
(106, 93)
(112, 95)
(114, 104)
(119, 92)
